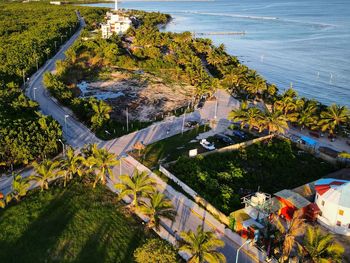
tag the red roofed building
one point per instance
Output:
(333, 199)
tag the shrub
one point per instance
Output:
(155, 250)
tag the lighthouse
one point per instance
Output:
(116, 5)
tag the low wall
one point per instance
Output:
(199, 200)
(239, 145)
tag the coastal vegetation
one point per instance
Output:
(30, 33)
(299, 112)
(202, 245)
(268, 166)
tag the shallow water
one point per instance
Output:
(303, 43)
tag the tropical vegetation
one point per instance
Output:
(30, 33)
(269, 166)
(202, 246)
(321, 247)
(138, 185)
(158, 206)
(156, 250)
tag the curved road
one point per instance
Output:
(77, 135)
(74, 132)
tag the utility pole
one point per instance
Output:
(65, 123)
(183, 123)
(24, 77)
(63, 147)
(127, 120)
(37, 64)
(55, 45)
(34, 93)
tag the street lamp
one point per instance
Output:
(65, 123)
(34, 93)
(183, 123)
(120, 157)
(245, 243)
(63, 147)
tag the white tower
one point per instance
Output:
(116, 5)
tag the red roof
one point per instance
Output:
(322, 188)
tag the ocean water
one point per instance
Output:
(303, 43)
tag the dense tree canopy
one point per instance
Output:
(30, 33)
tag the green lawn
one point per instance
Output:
(171, 148)
(75, 224)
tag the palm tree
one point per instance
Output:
(251, 117)
(293, 229)
(334, 116)
(101, 112)
(19, 187)
(138, 185)
(44, 172)
(71, 165)
(274, 122)
(321, 247)
(256, 86)
(307, 115)
(159, 206)
(202, 246)
(101, 161)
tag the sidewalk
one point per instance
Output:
(190, 215)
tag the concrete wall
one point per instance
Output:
(238, 145)
(199, 200)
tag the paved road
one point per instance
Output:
(77, 135)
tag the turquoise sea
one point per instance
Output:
(303, 43)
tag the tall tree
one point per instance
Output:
(274, 122)
(202, 246)
(321, 247)
(101, 161)
(140, 184)
(100, 115)
(157, 207)
(333, 117)
(19, 187)
(44, 172)
(289, 232)
(72, 164)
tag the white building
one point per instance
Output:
(116, 24)
(333, 199)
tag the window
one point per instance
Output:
(322, 203)
(338, 223)
(341, 212)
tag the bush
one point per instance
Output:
(155, 250)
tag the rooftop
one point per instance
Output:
(294, 198)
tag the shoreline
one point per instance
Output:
(273, 67)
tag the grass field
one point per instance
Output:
(75, 224)
(171, 148)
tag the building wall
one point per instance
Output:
(330, 216)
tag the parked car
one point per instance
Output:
(224, 138)
(331, 137)
(315, 134)
(239, 134)
(207, 145)
(190, 124)
(201, 103)
(329, 151)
